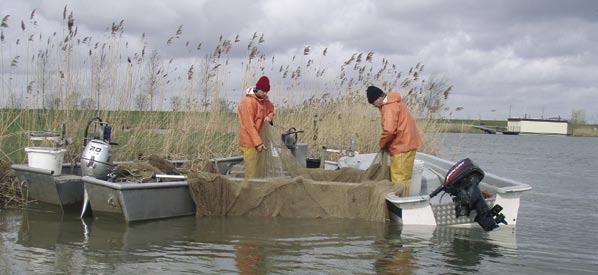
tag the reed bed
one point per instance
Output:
(584, 130)
(10, 187)
(460, 127)
(184, 106)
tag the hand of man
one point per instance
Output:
(261, 147)
(384, 148)
(269, 120)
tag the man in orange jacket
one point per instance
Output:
(399, 135)
(253, 110)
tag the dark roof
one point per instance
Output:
(537, 119)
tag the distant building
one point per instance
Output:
(538, 126)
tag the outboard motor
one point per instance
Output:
(299, 150)
(96, 158)
(461, 183)
(289, 138)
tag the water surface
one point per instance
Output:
(556, 230)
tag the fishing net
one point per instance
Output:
(284, 188)
(142, 171)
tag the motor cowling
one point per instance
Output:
(96, 159)
(464, 172)
(461, 182)
(289, 138)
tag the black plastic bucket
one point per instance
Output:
(312, 163)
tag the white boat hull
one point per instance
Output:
(419, 209)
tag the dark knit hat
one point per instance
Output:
(374, 93)
(263, 84)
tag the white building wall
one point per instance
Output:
(543, 127)
(514, 126)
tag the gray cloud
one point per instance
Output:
(530, 55)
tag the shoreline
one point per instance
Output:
(11, 197)
(466, 127)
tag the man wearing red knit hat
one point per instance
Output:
(254, 109)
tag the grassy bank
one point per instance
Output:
(10, 191)
(344, 122)
(585, 130)
(466, 126)
(201, 135)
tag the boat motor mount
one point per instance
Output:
(96, 158)
(289, 137)
(461, 182)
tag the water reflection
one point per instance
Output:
(455, 249)
(249, 257)
(108, 234)
(283, 244)
(469, 247)
(250, 245)
(47, 235)
(46, 229)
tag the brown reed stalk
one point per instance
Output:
(328, 103)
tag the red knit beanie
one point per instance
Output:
(263, 84)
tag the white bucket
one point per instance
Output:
(416, 178)
(46, 158)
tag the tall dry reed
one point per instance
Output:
(185, 107)
(10, 190)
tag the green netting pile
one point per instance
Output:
(286, 189)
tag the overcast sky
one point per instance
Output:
(529, 57)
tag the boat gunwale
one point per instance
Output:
(439, 165)
(132, 185)
(27, 168)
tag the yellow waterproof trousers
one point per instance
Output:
(250, 161)
(401, 169)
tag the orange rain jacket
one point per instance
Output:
(251, 113)
(268, 108)
(399, 131)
